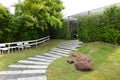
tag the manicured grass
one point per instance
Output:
(7, 59)
(106, 64)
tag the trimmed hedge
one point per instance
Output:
(61, 33)
(101, 27)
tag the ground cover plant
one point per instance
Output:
(7, 59)
(106, 64)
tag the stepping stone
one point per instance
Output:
(27, 66)
(34, 78)
(10, 72)
(22, 72)
(67, 48)
(39, 59)
(18, 68)
(18, 76)
(33, 62)
(33, 71)
(52, 55)
(45, 57)
(72, 43)
(62, 49)
(58, 53)
(70, 48)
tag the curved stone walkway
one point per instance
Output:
(34, 68)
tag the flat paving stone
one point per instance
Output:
(34, 78)
(59, 53)
(45, 57)
(61, 49)
(68, 48)
(18, 68)
(27, 66)
(19, 63)
(32, 62)
(10, 72)
(73, 43)
(20, 76)
(22, 72)
(52, 55)
(33, 71)
(39, 59)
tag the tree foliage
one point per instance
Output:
(37, 16)
(32, 19)
(4, 18)
(40, 13)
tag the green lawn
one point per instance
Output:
(7, 59)
(106, 64)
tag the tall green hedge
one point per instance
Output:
(61, 33)
(101, 27)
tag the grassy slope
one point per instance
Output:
(7, 59)
(106, 64)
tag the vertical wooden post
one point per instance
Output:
(36, 43)
(68, 26)
(8, 48)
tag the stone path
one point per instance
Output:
(34, 68)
